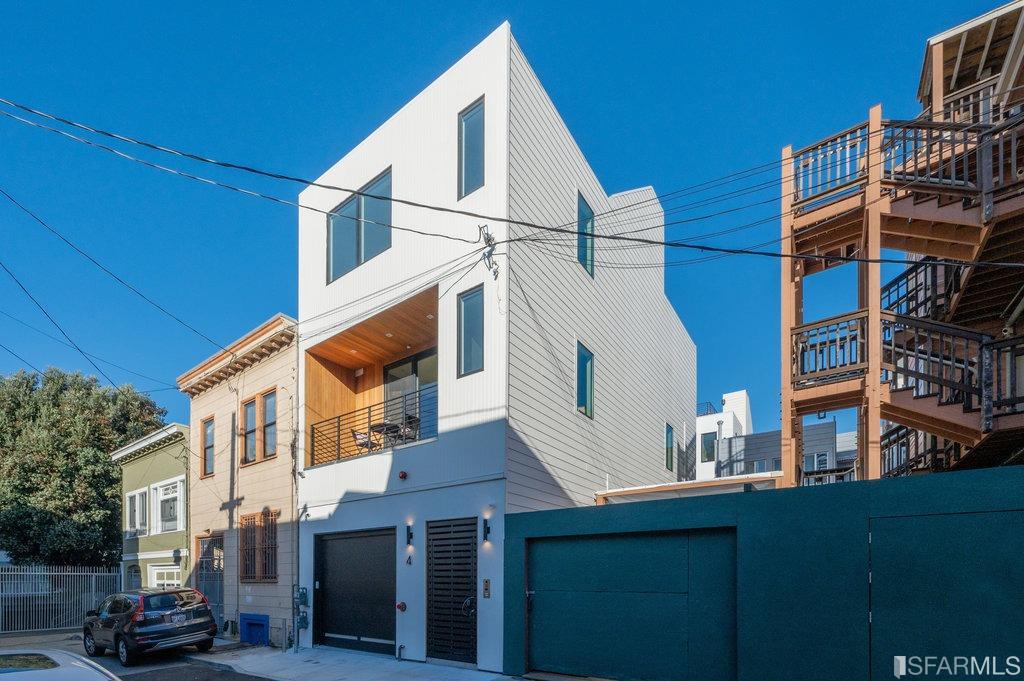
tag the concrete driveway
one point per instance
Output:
(332, 664)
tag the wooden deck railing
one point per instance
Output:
(830, 349)
(921, 152)
(924, 289)
(828, 167)
(975, 104)
(1007, 375)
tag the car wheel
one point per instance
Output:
(126, 656)
(204, 646)
(91, 649)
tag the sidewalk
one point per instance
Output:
(331, 664)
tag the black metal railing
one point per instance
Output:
(924, 289)
(932, 153)
(706, 408)
(934, 360)
(394, 422)
(1007, 375)
(905, 450)
(830, 349)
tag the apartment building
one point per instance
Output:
(242, 508)
(154, 477)
(450, 380)
(932, 360)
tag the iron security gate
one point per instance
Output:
(451, 590)
(40, 597)
(210, 573)
(355, 590)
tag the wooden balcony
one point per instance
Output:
(366, 369)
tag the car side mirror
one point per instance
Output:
(91, 613)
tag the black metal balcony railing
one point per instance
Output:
(905, 450)
(392, 423)
(1007, 375)
(924, 289)
(706, 408)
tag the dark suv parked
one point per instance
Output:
(133, 622)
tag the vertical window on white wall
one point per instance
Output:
(471, 148)
(360, 228)
(584, 380)
(584, 234)
(471, 331)
(670, 446)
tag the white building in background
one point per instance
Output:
(449, 381)
(715, 423)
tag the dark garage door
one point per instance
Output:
(946, 585)
(649, 607)
(355, 590)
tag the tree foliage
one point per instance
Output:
(60, 494)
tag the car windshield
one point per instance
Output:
(21, 662)
(170, 601)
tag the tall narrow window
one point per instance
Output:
(136, 507)
(585, 234)
(249, 434)
(584, 380)
(471, 148)
(359, 228)
(708, 443)
(471, 331)
(169, 506)
(208, 451)
(670, 446)
(269, 424)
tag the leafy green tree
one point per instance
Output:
(60, 494)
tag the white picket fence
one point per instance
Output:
(45, 597)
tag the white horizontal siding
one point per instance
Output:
(645, 364)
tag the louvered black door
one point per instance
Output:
(451, 589)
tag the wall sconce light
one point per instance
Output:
(408, 535)
(487, 529)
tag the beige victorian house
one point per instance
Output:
(242, 505)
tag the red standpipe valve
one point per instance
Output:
(402, 475)
(400, 606)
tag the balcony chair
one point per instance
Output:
(363, 441)
(410, 428)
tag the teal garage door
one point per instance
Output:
(947, 586)
(643, 607)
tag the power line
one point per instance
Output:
(21, 359)
(107, 270)
(231, 187)
(96, 357)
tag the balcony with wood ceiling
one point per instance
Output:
(372, 387)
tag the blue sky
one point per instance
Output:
(660, 93)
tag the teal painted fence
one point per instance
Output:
(780, 588)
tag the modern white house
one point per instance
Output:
(715, 423)
(450, 380)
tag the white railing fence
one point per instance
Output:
(45, 597)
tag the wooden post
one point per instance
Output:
(938, 86)
(791, 316)
(871, 447)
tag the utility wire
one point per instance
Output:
(107, 270)
(21, 359)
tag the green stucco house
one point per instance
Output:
(154, 517)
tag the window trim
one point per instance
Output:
(459, 373)
(135, 532)
(670, 446)
(259, 520)
(479, 101)
(354, 196)
(154, 501)
(588, 409)
(264, 424)
(260, 424)
(588, 266)
(203, 444)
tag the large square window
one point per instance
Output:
(471, 331)
(585, 234)
(471, 148)
(584, 380)
(360, 228)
